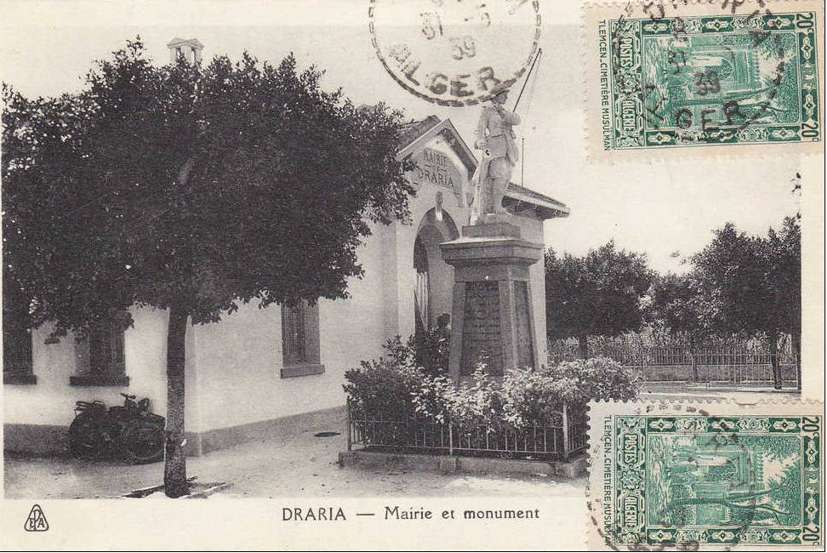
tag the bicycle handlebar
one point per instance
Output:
(127, 396)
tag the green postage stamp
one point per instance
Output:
(682, 75)
(705, 474)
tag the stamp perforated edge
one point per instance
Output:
(591, 14)
(597, 410)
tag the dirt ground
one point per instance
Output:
(303, 465)
(701, 392)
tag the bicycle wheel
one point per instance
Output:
(143, 442)
(85, 438)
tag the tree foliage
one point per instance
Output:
(752, 284)
(181, 185)
(675, 304)
(193, 189)
(597, 294)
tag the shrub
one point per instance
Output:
(475, 404)
(599, 378)
(432, 349)
(393, 388)
(530, 398)
(399, 354)
(432, 399)
(384, 388)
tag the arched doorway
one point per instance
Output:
(434, 278)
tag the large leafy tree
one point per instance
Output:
(597, 294)
(676, 306)
(673, 303)
(191, 189)
(782, 257)
(752, 285)
(730, 275)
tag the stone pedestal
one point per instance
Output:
(492, 319)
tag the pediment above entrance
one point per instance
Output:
(444, 163)
(442, 160)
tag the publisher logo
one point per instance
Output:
(36, 522)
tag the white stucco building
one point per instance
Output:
(261, 370)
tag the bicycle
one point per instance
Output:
(130, 431)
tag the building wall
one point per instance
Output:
(51, 401)
(442, 276)
(233, 367)
(239, 359)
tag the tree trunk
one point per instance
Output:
(175, 462)
(776, 369)
(583, 343)
(797, 352)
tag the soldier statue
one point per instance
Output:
(495, 137)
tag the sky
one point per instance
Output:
(665, 209)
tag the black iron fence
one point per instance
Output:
(565, 436)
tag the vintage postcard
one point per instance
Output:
(407, 274)
(718, 474)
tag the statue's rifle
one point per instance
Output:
(527, 77)
(517, 103)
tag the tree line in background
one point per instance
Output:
(739, 286)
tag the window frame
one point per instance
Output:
(17, 319)
(308, 361)
(105, 356)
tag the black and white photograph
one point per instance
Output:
(364, 267)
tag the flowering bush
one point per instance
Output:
(432, 351)
(475, 404)
(433, 399)
(600, 378)
(395, 389)
(530, 398)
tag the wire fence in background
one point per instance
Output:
(733, 362)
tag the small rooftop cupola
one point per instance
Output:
(189, 49)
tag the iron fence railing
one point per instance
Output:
(671, 355)
(745, 364)
(734, 373)
(565, 436)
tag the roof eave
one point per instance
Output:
(544, 209)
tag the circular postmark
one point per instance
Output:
(705, 484)
(454, 52)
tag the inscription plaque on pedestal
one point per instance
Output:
(482, 339)
(492, 313)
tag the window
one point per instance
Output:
(300, 340)
(103, 362)
(17, 336)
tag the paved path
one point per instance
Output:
(302, 465)
(718, 393)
